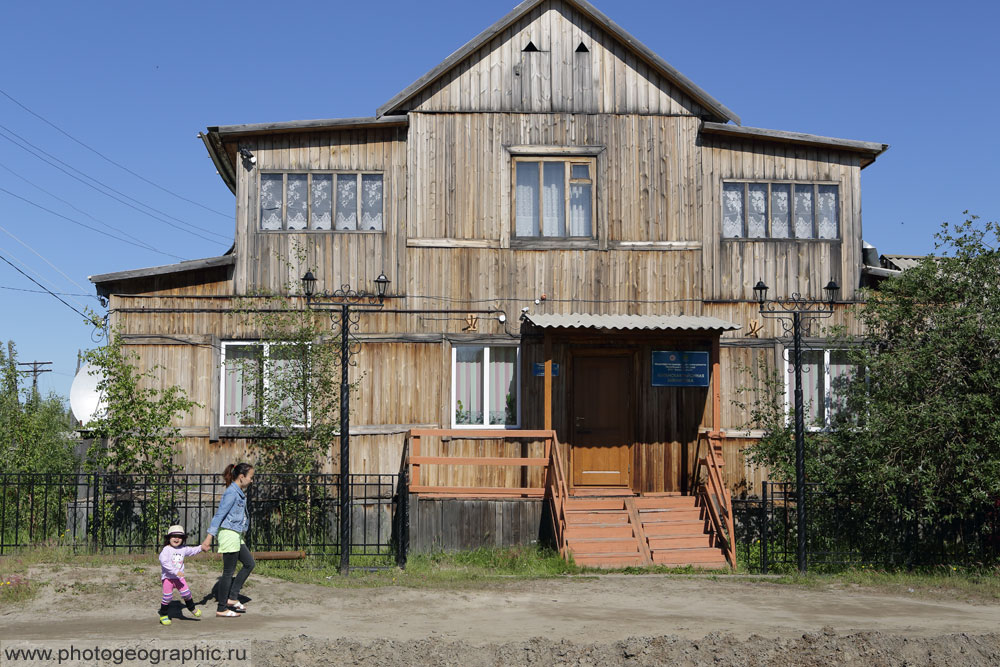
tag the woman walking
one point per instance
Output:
(228, 525)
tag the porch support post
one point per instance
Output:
(548, 381)
(716, 389)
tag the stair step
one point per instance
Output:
(674, 528)
(575, 504)
(680, 542)
(659, 516)
(608, 560)
(596, 517)
(603, 545)
(664, 502)
(598, 530)
(688, 556)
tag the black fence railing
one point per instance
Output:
(843, 532)
(129, 513)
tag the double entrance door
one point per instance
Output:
(602, 420)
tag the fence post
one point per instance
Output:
(94, 491)
(763, 527)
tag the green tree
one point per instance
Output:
(291, 376)
(916, 446)
(137, 430)
(36, 433)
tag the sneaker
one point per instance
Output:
(164, 620)
(197, 613)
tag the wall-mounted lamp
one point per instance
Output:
(249, 159)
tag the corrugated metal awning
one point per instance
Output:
(631, 322)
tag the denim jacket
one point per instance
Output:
(232, 512)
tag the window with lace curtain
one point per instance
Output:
(321, 201)
(780, 210)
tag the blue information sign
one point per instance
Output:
(674, 368)
(538, 370)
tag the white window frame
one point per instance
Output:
(486, 389)
(333, 202)
(222, 380)
(827, 386)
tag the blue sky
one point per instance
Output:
(137, 81)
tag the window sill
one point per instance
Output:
(726, 239)
(565, 243)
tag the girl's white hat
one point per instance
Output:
(176, 529)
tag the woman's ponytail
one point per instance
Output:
(234, 470)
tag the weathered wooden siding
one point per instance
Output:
(733, 266)
(456, 525)
(459, 169)
(609, 78)
(267, 260)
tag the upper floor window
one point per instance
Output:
(554, 196)
(780, 210)
(296, 201)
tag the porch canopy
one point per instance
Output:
(647, 323)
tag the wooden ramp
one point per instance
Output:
(634, 532)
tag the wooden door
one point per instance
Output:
(601, 421)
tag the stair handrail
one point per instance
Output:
(718, 500)
(558, 493)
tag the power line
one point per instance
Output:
(37, 274)
(78, 210)
(83, 224)
(44, 288)
(104, 185)
(120, 166)
(38, 291)
(8, 233)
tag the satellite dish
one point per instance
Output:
(84, 398)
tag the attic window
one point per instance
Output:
(530, 48)
(582, 48)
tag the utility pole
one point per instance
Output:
(35, 370)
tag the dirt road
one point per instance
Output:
(582, 620)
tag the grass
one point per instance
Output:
(15, 588)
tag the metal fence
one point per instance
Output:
(843, 532)
(129, 513)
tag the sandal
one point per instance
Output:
(164, 620)
(237, 606)
(229, 613)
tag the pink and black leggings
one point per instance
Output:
(169, 585)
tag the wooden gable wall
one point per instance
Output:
(501, 76)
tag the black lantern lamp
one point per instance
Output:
(831, 290)
(309, 285)
(760, 291)
(381, 284)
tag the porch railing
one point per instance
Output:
(417, 459)
(558, 493)
(716, 498)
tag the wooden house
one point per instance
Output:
(589, 225)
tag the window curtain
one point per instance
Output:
(347, 201)
(757, 210)
(803, 211)
(554, 199)
(270, 201)
(780, 211)
(732, 210)
(371, 201)
(468, 385)
(297, 205)
(526, 197)
(503, 386)
(238, 395)
(322, 202)
(827, 213)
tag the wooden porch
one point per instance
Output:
(597, 527)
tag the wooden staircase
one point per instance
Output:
(634, 532)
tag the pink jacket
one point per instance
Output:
(172, 561)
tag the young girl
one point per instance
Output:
(172, 571)
(231, 520)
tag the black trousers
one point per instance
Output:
(229, 586)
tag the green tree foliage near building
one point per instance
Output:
(137, 431)
(36, 432)
(915, 444)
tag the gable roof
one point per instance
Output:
(397, 103)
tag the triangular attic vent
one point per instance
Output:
(582, 48)
(531, 48)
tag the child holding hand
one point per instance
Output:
(172, 571)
